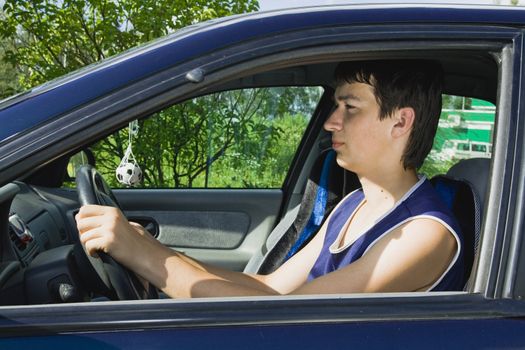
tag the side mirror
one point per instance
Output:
(83, 157)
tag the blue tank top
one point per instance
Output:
(421, 201)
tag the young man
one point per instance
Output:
(392, 235)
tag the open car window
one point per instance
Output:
(244, 138)
(465, 131)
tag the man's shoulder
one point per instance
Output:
(428, 199)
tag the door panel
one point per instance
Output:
(221, 227)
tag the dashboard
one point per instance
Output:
(38, 239)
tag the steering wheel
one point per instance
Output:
(120, 281)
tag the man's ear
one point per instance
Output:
(403, 121)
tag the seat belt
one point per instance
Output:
(318, 212)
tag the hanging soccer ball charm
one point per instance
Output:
(129, 174)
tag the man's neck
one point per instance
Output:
(384, 190)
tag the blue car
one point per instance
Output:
(212, 139)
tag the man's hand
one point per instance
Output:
(106, 229)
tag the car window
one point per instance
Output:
(232, 139)
(465, 130)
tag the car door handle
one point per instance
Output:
(150, 224)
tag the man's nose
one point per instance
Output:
(334, 121)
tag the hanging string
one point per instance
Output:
(128, 172)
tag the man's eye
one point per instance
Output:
(349, 107)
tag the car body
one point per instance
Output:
(481, 50)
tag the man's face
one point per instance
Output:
(358, 136)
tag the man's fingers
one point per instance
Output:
(95, 210)
(91, 235)
(94, 216)
(93, 246)
(88, 223)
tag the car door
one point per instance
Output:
(214, 169)
(487, 314)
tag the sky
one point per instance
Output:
(276, 4)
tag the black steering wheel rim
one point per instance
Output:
(123, 283)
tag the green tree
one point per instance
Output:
(8, 76)
(54, 37)
(50, 38)
(240, 138)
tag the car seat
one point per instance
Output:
(327, 184)
(468, 208)
(476, 172)
(462, 189)
(460, 197)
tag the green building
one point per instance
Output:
(465, 132)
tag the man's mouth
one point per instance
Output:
(336, 144)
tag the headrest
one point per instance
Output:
(476, 172)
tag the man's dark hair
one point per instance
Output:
(398, 84)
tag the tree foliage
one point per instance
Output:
(240, 138)
(52, 37)
(456, 102)
(8, 76)
(237, 138)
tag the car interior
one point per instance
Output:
(247, 229)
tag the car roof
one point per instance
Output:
(75, 89)
(278, 4)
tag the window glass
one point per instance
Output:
(233, 139)
(465, 131)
